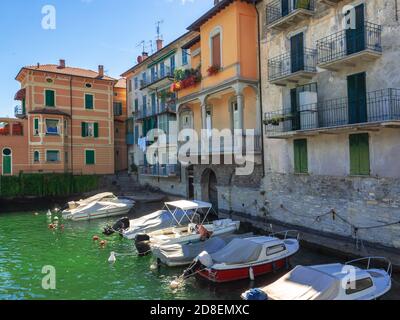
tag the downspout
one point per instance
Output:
(71, 128)
(260, 88)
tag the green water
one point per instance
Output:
(83, 271)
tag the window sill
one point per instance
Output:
(52, 134)
(53, 162)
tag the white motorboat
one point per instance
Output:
(102, 205)
(329, 282)
(244, 259)
(193, 232)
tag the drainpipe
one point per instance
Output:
(71, 129)
(260, 87)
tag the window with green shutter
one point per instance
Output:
(359, 154)
(90, 129)
(90, 157)
(50, 98)
(96, 129)
(300, 156)
(36, 126)
(84, 130)
(89, 101)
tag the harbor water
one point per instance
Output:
(82, 270)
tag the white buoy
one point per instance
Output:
(48, 213)
(251, 274)
(112, 258)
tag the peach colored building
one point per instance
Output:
(67, 119)
(120, 118)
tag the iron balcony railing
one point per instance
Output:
(288, 63)
(160, 170)
(377, 106)
(19, 112)
(347, 42)
(167, 73)
(279, 9)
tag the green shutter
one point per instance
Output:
(50, 101)
(300, 156)
(88, 101)
(96, 129)
(84, 129)
(359, 154)
(36, 124)
(23, 106)
(90, 157)
(7, 164)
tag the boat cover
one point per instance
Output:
(238, 251)
(181, 253)
(156, 221)
(97, 197)
(304, 283)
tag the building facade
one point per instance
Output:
(120, 120)
(67, 121)
(332, 117)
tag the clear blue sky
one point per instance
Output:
(88, 33)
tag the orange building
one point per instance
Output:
(120, 118)
(67, 120)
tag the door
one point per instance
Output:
(355, 37)
(295, 109)
(297, 52)
(7, 161)
(285, 7)
(357, 98)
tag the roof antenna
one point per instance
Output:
(143, 45)
(158, 29)
(151, 46)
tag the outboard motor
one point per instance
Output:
(121, 225)
(142, 244)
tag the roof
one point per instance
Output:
(121, 83)
(189, 205)
(192, 42)
(155, 55)
(71, 71)
(49, 111)
(195, 26)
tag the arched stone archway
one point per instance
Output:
(209, 189)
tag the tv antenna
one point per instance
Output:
(143, 45)
(158, 29)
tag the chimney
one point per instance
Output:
(145, 55)
(101, 71)
(139, 59)
(159, 44)
(61, 64)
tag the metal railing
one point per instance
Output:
(19, 112)
(276, 11)
(167, 73)
(377, 106)
(286, 64)
(160, 170)
(346, 42)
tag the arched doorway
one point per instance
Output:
(7, 161)
(209, 188)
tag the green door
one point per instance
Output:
(357, 98)
(7, 162)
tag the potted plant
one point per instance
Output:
(213, 70)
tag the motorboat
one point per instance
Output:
(192, 232)
(102, 205)
(245, 259)
(329, 282)
(174, 255)
(157, 220)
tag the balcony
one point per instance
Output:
(160, 170)
(346, 48)
(228, 145)
(158, 80)
(19, 112)
(292, 68)
(379, 108)
(282, 14)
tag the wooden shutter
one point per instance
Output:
(50, 98)
(88, 101)
(300, 156)
(90, 157)
(359, 154)
(84, 130)
(96, 129)
(216, 50)
(36, 125)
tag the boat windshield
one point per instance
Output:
(194, 207)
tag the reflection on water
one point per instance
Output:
(82, 269)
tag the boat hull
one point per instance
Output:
(241, 273)
(99, 215)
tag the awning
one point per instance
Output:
(20, 95)
(189, 205)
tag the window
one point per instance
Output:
(136, 105)
(172, 64)
(235, 116)
(185, 57)
(36, 126)
(130, 85)
(162, 69)
(52, 127)
(66, 156)
(136, 83)
(52, 156)
(359, 154)
(49, 98)
(90, 157)
(117, 108)
(300, 156)
(209, 122)
(153, 103)
(23, 106)
(360, 285)
(275, 249)
(65, 127)
(144, 107)
(89, 104)
(216, 50)
(88, 85)
(136, 134)
(90, 129)
(36, 157)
